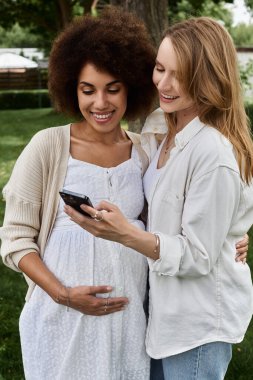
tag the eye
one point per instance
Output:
(113, 90)
(159, 69)
(88, 92)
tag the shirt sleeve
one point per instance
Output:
(209, 209)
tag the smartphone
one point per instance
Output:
(75, 200)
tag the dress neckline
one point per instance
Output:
(105, 167)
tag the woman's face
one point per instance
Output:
(102, 98)
(172, 97)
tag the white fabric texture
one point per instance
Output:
(200, 208)
(69, 344)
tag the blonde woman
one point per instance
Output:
(200, 197)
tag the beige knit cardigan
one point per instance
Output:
(32, 194)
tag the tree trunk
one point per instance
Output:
(155, 15)
(153, 12)
(65, 12)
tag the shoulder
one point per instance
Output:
(50, 135)
(209, 151)
(47, 142)
(214, 147)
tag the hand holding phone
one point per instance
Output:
(75, 200)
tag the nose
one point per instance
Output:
(100, 101)
(164, 83)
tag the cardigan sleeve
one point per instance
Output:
(23, 196)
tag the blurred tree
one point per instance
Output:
(153, 12)
(182, 9)
(47, 18)
(17, 36)
(43, 18)
(243, 35)
(249, 4)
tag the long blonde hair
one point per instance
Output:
(208, 72)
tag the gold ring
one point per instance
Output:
(98, 216)
(95, 215)
(106, 304)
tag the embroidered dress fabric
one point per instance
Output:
(60, 345)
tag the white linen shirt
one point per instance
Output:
(200, 208)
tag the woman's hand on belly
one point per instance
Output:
(86, 299)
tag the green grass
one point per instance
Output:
(16, 129)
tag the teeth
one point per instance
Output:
(169, 96)
(104, 116)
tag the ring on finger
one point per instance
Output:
(106, 304)
(98, 216)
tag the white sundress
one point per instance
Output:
(67, 345)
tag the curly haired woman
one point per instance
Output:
(78, 322)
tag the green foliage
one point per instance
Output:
(249, 111)
(19, 37)
(43, 18)
(246, 73)
(183, 9)
(249, 4)
(242, 35)
(20, 99)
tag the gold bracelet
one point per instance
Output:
(157, 244)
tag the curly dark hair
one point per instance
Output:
(116, 42)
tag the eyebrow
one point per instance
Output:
(108, 84)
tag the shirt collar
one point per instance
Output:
(155, 123)
(188, 132)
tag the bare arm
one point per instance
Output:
(81, 298)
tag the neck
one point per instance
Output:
(85, 132)
(184, 117)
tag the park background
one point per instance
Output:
(28, 28)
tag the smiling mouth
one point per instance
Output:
(169, 97)
(102, 116)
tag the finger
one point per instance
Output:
(110, 311)
(90, 210)
(242, 250)
(107, 206)
(99, 289)
(112, 305)
(115, 301)
(75, 215)
(244, 242)
(241, 257)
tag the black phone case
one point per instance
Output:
(75, 200)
